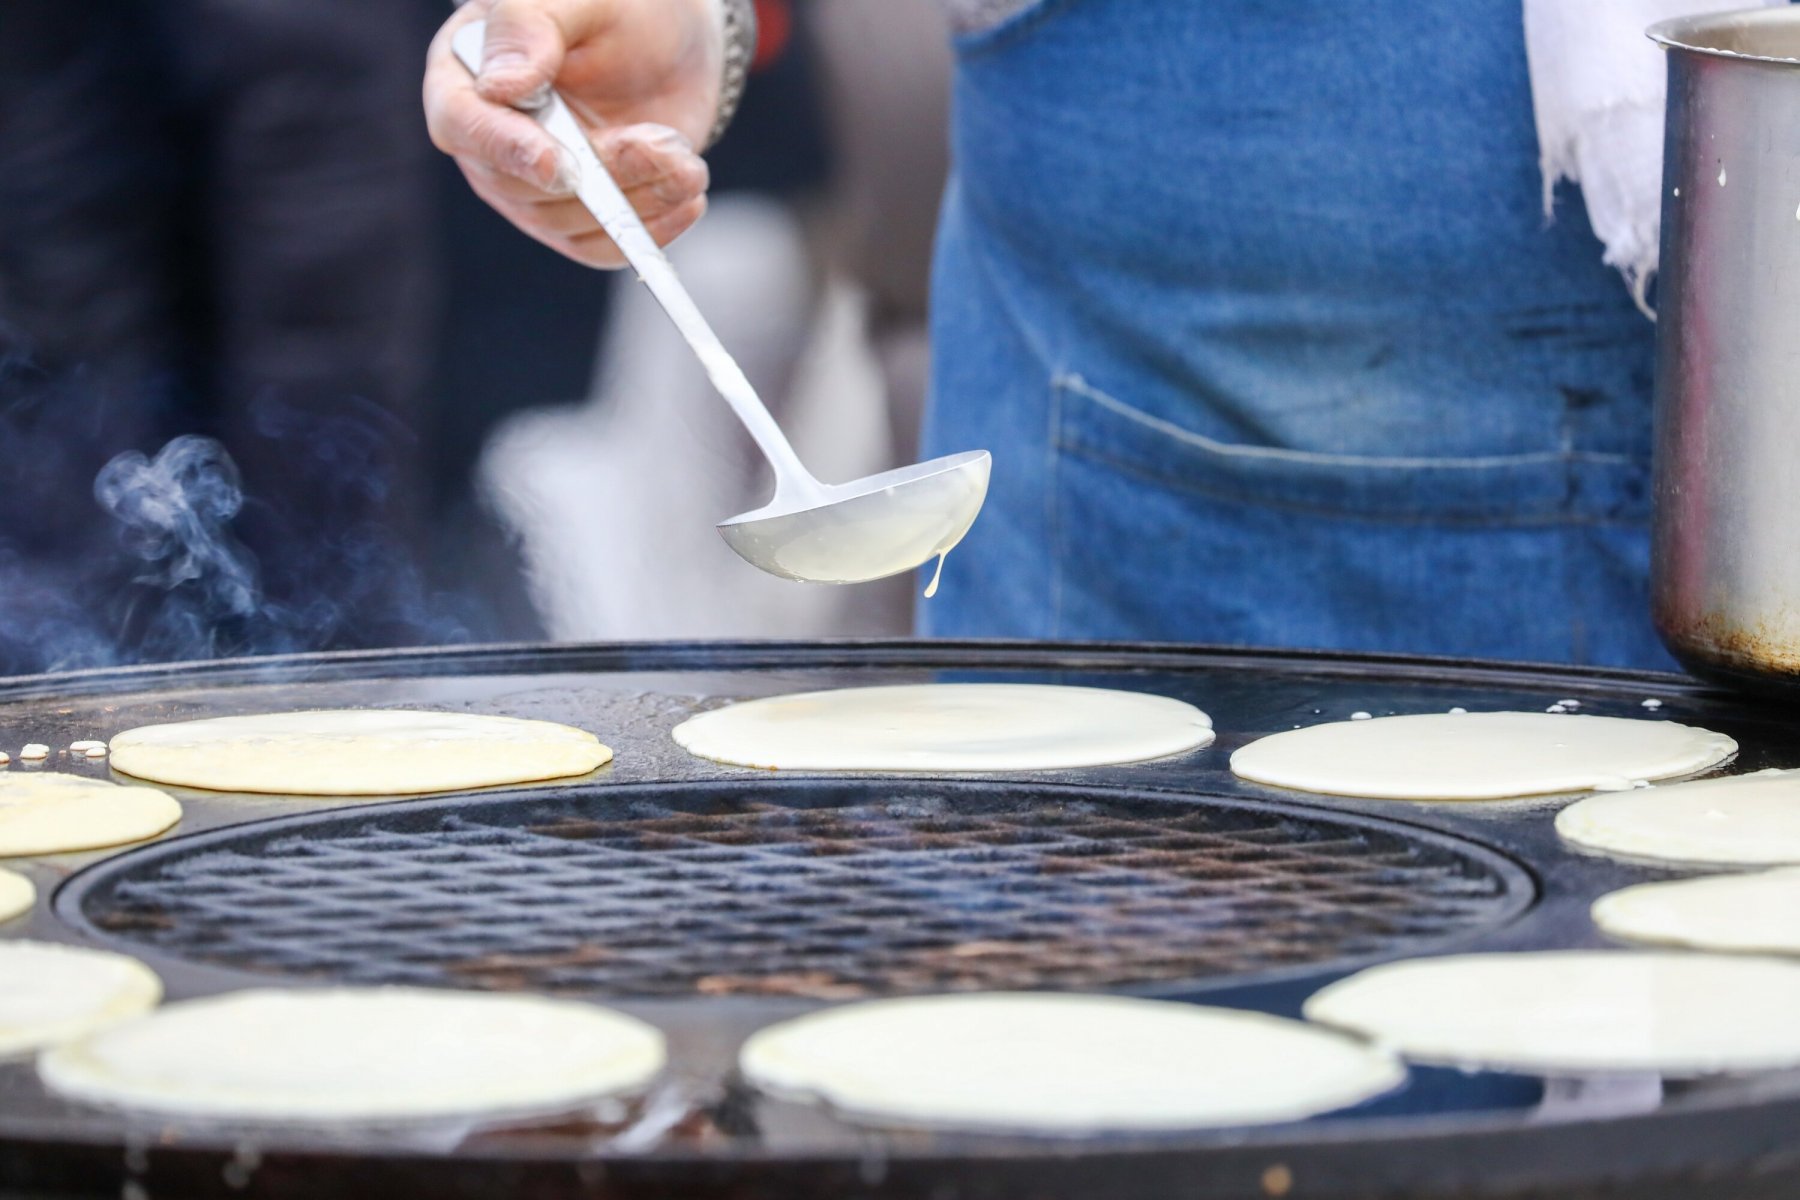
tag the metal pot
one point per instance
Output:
(1726, 566)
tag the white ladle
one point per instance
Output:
(814, 532)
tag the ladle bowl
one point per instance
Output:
(869, 528)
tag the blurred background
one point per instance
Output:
(272, 379)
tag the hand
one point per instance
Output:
(642, 76)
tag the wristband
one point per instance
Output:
(738, 18)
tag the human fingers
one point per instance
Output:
(544, 222)
(655, 166)
(647, 154)
(596, 248)
(566, 227)
(652, 200)
(469, 128)
(527, 41)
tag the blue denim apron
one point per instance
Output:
(1256, 306)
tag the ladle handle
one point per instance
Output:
(600, 194)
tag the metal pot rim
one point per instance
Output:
(1700, 34)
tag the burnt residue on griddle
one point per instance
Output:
(811, 985)
(521, 971)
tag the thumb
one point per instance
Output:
(522, 55)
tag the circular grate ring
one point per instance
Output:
(822, 889)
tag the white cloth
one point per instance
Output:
(1597, 84)
(614, 501)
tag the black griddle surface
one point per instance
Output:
(828, 890)
(1106, 865)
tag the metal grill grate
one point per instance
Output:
(801, 889)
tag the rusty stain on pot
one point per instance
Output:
(1767, 645)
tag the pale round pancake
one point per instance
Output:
(51, 993)
(1478, 756)
(358, 1054)
(17, 894)
(1736, 914)
(947, 727)
(1063, 1064)
(46, 812)
(1743, 820)
(356, 752)
(1575, 1012)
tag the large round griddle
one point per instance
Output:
(712, 900)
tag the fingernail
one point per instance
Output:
(568, 175)
(527, 163)
(536, 98)
(503, 60)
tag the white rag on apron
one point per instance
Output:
(1597, 84)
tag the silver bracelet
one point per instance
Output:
(739, 18)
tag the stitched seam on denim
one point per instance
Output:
(1076, 383)
(1053, 508)
(1035, 342)
(997, 37)
(1368, 516)
(1573, 621)
(1036, 347)
(1028, 333)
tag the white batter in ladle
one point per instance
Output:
(811, 531)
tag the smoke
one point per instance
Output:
(166, 575)
(196, 591)
(193, 581)
(298, 538)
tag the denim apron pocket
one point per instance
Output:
(1164, 531)
(1256, 307)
